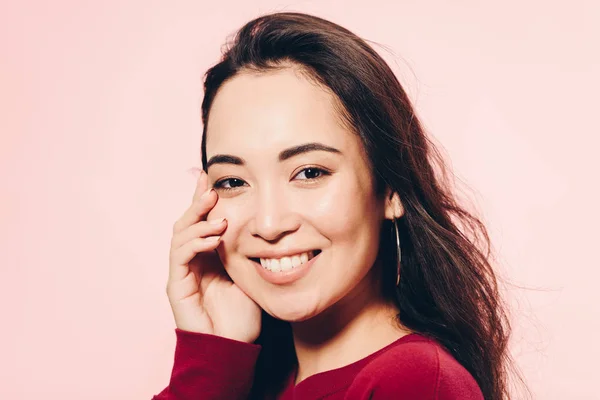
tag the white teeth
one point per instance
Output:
(296, 261)
(304, 257)
(286, 263)
(274, 265)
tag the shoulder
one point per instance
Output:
(417, 368)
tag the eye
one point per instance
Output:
(229, 184)
(311, 173)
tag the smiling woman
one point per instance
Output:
(321, 256)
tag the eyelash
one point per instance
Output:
(322, 173)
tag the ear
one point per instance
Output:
(393, 206)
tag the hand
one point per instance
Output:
(203, 297)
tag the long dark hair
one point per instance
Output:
(448, 289)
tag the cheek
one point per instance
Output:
(342, 205)
(233, 211)
(223, 209)
(349, 215)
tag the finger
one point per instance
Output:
(200, 229)
(203, 200)
(197, 211)
(201, 184)
(180, 258)
(201, 187)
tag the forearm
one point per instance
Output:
(210, 367)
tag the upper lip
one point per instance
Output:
(279, 254)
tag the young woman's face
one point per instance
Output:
(297, 192)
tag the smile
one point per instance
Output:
(286, 269)
(288, 262)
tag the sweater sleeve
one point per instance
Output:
(415, 371)
(210, 367)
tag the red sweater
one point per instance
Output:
(412, 368)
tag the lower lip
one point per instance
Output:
(285, 277)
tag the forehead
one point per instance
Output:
(256, 112)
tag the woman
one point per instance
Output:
(322, 257)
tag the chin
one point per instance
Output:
(291, 311)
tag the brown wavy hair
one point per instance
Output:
(448, 289)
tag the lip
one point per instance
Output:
(285, 277)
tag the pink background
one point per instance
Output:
(99, 122)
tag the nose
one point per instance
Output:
(273, 217)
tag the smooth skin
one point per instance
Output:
(203, 298)
(277, 204)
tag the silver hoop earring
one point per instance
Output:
(398, 252)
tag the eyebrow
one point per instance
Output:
(284, 155)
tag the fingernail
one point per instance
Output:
(213, 238)
(216, 221)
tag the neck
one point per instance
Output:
(353, 328)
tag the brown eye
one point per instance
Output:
(311, 173)
(229, 183)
